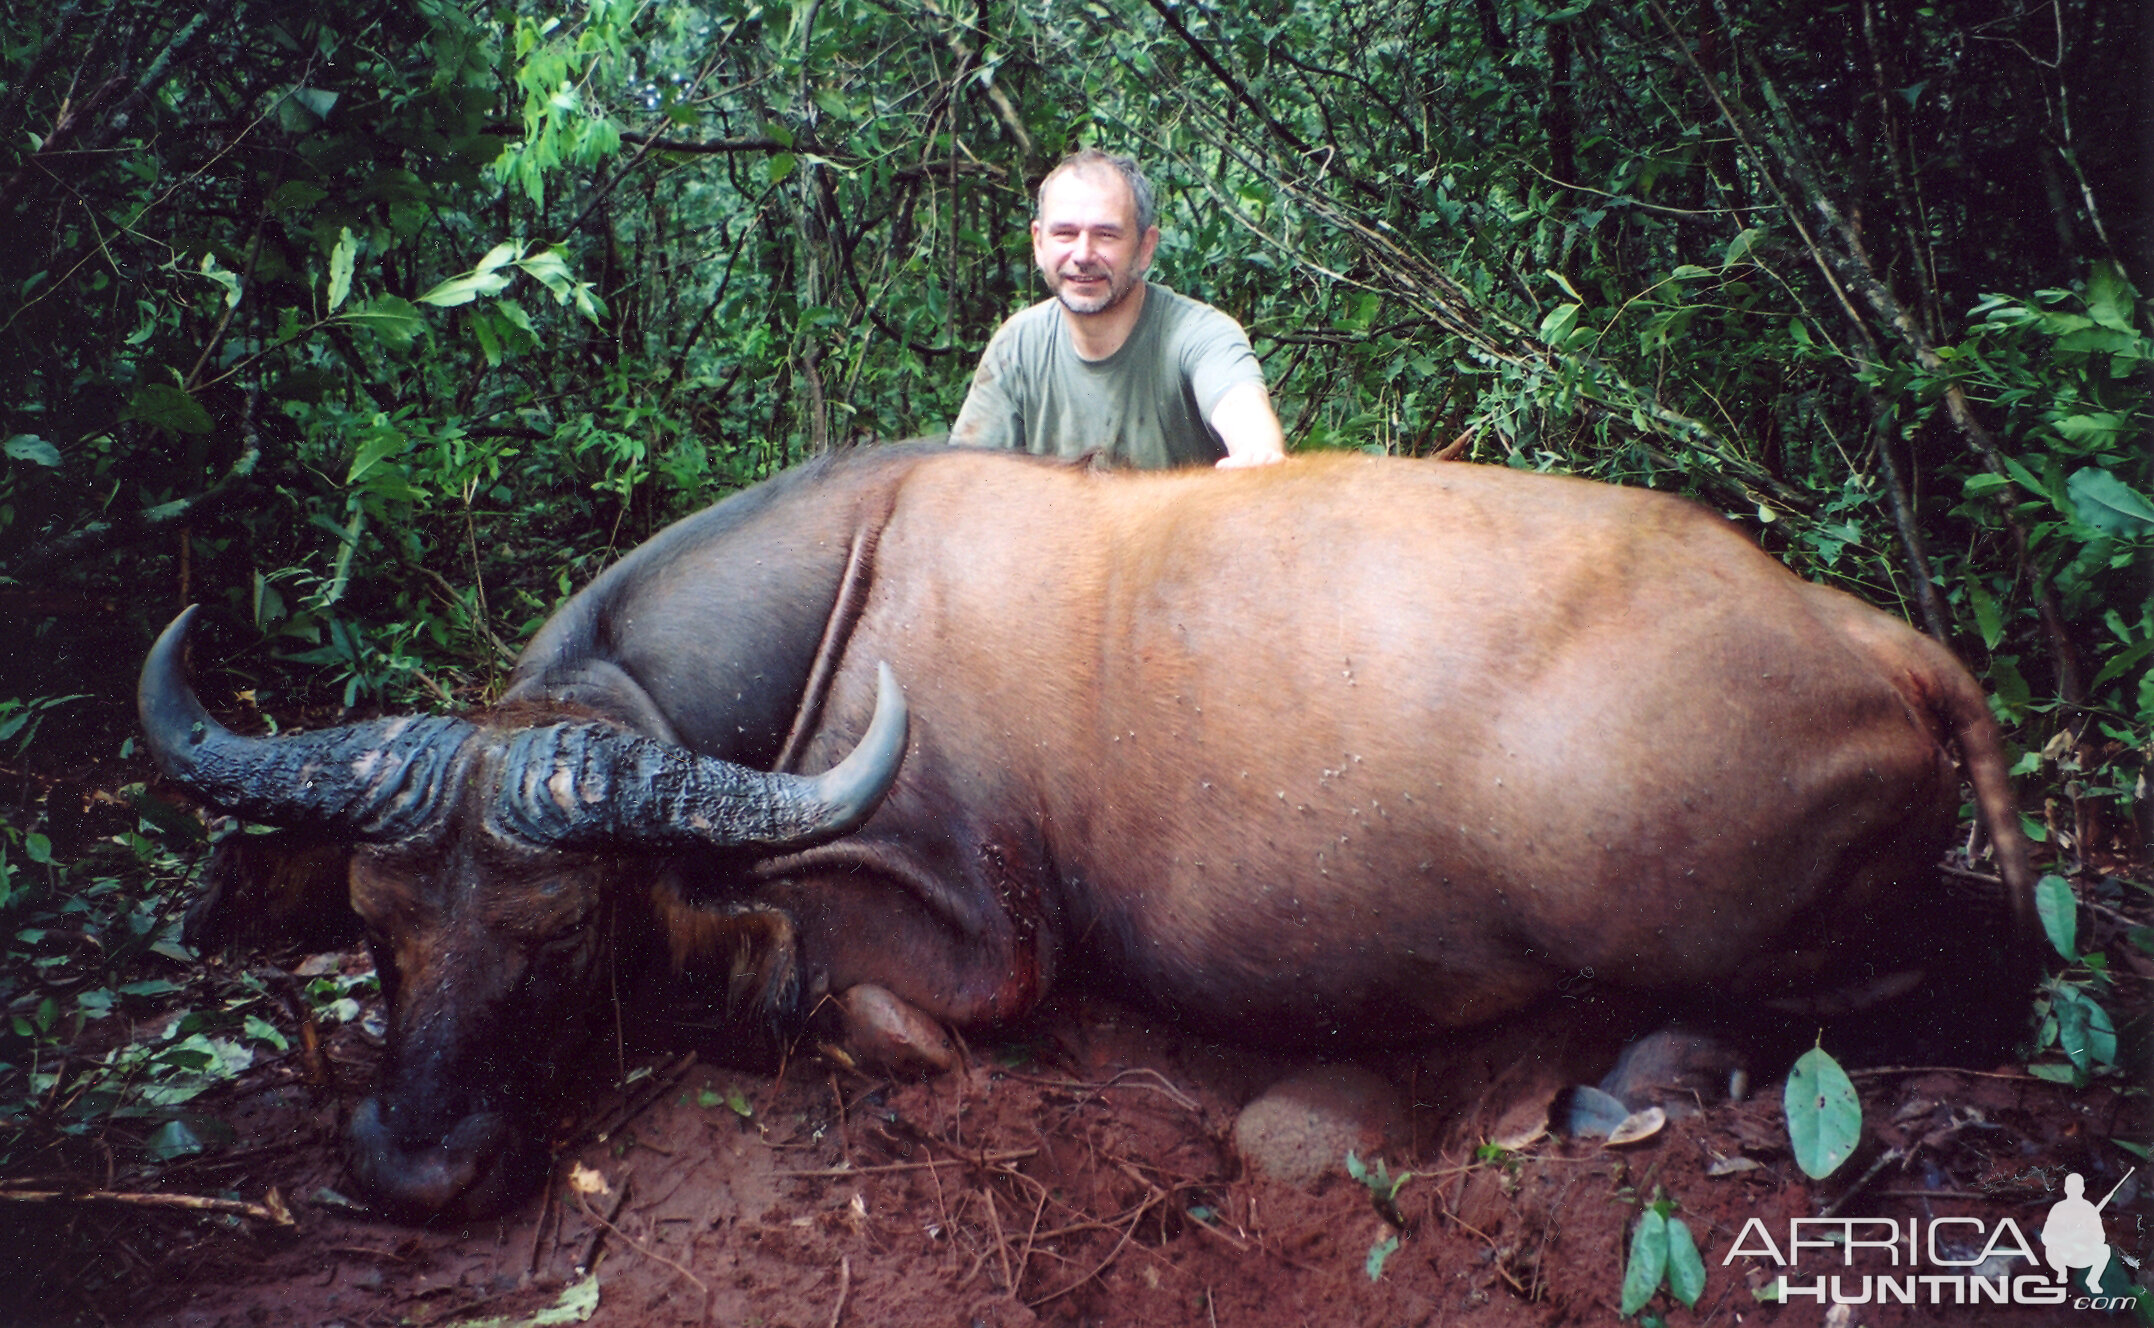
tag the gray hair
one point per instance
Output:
(1092, 159)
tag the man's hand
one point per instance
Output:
(1248, 427)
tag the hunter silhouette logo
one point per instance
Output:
(2073, 1235)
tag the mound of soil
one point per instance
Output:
(1086, 1175)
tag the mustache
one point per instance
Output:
(1084, 270)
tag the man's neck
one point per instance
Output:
(1097, 336)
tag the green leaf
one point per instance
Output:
(2058, 908)
(173, 1140)
(33, 449)
(2110, 298)
(1648, 1261)
(228, 280)
(1988, 620)
(2085, 1033)
(2110, 505)
(1984, 483)
(2097, 429)
(376, 449)
(1686, 1267)
(466, 288)
(1558, 323)
(318, 100)
(1378, 1253)
(392, 318)
(2056, 1074)
(167, 407)
(576, 1304)
(261, 1030)
(341, 261)
(1824, 1114)
(781, 165)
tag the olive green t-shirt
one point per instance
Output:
(1145, 405)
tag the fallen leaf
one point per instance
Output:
(587, 1180)
(1638, 1127)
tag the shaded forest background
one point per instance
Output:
(378, 329)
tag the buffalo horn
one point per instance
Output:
(588, 786)
(378, 781)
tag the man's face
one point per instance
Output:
(1086, 241)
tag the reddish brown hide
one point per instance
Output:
(1344, 750)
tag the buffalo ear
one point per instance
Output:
(272, 892)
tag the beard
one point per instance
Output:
(1119, 285)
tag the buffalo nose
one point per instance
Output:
(469, 1172)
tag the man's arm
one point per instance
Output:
(990, 416)
(1245, 423)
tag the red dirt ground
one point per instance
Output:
(1086, 1176)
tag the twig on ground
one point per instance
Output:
(1002, 1244)
(605, 1224)
(592, 1132)
(270, 1210)
(1013, 1155)
(1135, 1217)
(1875, 1071)
(845, 1284)
(1164, 1085)
(1884, 1159)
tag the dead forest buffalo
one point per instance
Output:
(1345, 750)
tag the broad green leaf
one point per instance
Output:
(1648, 1261)
(318, 100)
(1558, 323)
(1988, 620)
(228, 280)
(2058, 908)
(2096, 429)
(172, 1140)
(1739, 247)
(1686, 1268)
(167, 407)
(465, 289)
(372, 452)
(1824, 1114)
(33, 449)
(781, 165)
(2085, 1032)
(391, 317)
(2120, 663)
(2110, 298)
(2056, 1074)
(501, 255)
(2110, 505)
(342, 259)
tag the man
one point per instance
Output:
(1113, 363)
(2073, 1236)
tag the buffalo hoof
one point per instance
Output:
(480, 1168)
(1675, 1070)
(1300, 1129)
(885, 1034)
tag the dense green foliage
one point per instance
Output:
(379, 329)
